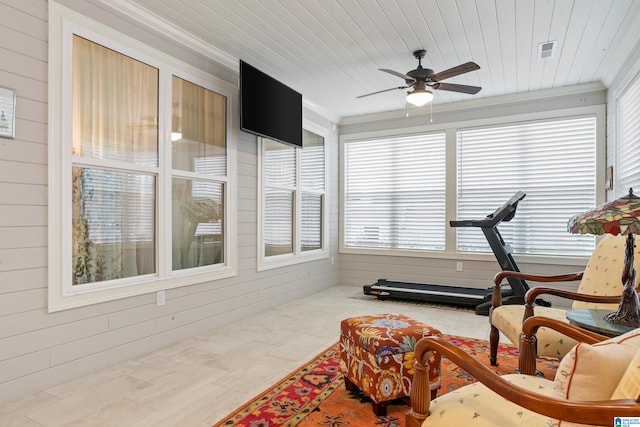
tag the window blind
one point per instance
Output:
(280, 185)
(552, 161)
(312, 183)
(119, 208)
(293, 209)
(628, 143)
(395, 192)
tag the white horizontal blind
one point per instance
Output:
(395, 192)
(552, 161)
(280, 172)
(312, 162)
(119, 208)
(312, 186)
(628, 143)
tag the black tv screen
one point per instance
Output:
(269, 108)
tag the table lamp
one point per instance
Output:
(621, 216)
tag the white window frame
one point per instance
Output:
(63, 24)
(298, 256)
(408, 165)
(482, 185)
(451, 128)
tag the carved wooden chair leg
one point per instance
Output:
(494, 337)
(420, 399)
(494, 334)
(528, 354)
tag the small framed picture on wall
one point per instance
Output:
(7, 112)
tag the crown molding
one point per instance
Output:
(477, 103)
(162, 26)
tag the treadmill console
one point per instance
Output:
(503, 213)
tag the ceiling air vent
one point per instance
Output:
(545, 49)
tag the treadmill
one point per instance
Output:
(464, 296)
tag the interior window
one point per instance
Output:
(293, 208)
(199, 158)
(552, 161)
(115, 130)
(395, 192)
(628, 149)
(140, 188)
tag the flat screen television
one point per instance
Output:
(269, 108)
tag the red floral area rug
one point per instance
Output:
(314, 394)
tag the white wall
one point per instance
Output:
(37, 349)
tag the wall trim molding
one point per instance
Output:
(477, 103)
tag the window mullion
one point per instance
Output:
(164, 180)
(297, 221)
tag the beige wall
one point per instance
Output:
(38, 349)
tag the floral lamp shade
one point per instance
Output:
(621, 216)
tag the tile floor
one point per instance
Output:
(200, 380)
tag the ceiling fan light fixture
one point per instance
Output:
(419, 97)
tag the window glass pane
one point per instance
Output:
(198, 129)
(279, 164)
(278, 222)
(311, 222)
(553, 162)
(115, 105)
(197, 223)
(395, 192)
(312, 161)
(113, 222)
(628, 156)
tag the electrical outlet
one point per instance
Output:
(333, 261)
(459, 266)
(160, 298)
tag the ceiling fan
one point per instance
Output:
(423, 79)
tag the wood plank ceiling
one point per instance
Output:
(331, 50)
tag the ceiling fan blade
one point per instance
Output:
(395, 73)
(457, 88)
(451, 72)
(380, 91)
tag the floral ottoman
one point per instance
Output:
(376, 357)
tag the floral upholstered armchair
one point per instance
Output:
(594, 383)
(600, 287)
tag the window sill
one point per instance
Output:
(468, 256)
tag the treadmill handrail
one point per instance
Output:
(493, 219)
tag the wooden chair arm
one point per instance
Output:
(591, 412)
(531, 325)
(533, 294)
(528, 340)
(496, 298)
(506, 274)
